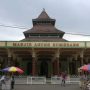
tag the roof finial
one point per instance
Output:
(43, 9)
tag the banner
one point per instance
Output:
(88, 44)
(47, 44)
(2, 44)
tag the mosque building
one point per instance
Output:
(44, 51)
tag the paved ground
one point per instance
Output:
(46, 87)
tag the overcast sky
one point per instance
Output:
(72, 16)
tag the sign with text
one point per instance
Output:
(2, 44)
(47, 44)
(88, 44)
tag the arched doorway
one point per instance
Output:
(72, 67)
(44, 68)
(29, 68)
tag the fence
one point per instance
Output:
(36, 80)
(44, 80)
(30, 80)
(69, 80)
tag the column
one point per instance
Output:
(57, 66)
(51, 63)
(69, 65)
(86, 60)
(1, 64)
(14, 59)
(81, 57)
(76, 66)
(9, 58)
(57, 62)
(49, 68)
(33, 64)
(68, 60)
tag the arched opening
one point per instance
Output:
(44, 68)
(29, 68)
(72, 68)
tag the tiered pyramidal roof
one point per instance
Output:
(43, 29)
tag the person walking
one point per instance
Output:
(3, 82)
(12, 82)
(2, 79)
(63, 76)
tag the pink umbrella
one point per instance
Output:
(85, 67)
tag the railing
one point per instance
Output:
(36, 80)
(44, 80)
(74, 79)
(69, 80)
(30, 80)
(21, 79)
(55, 80)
